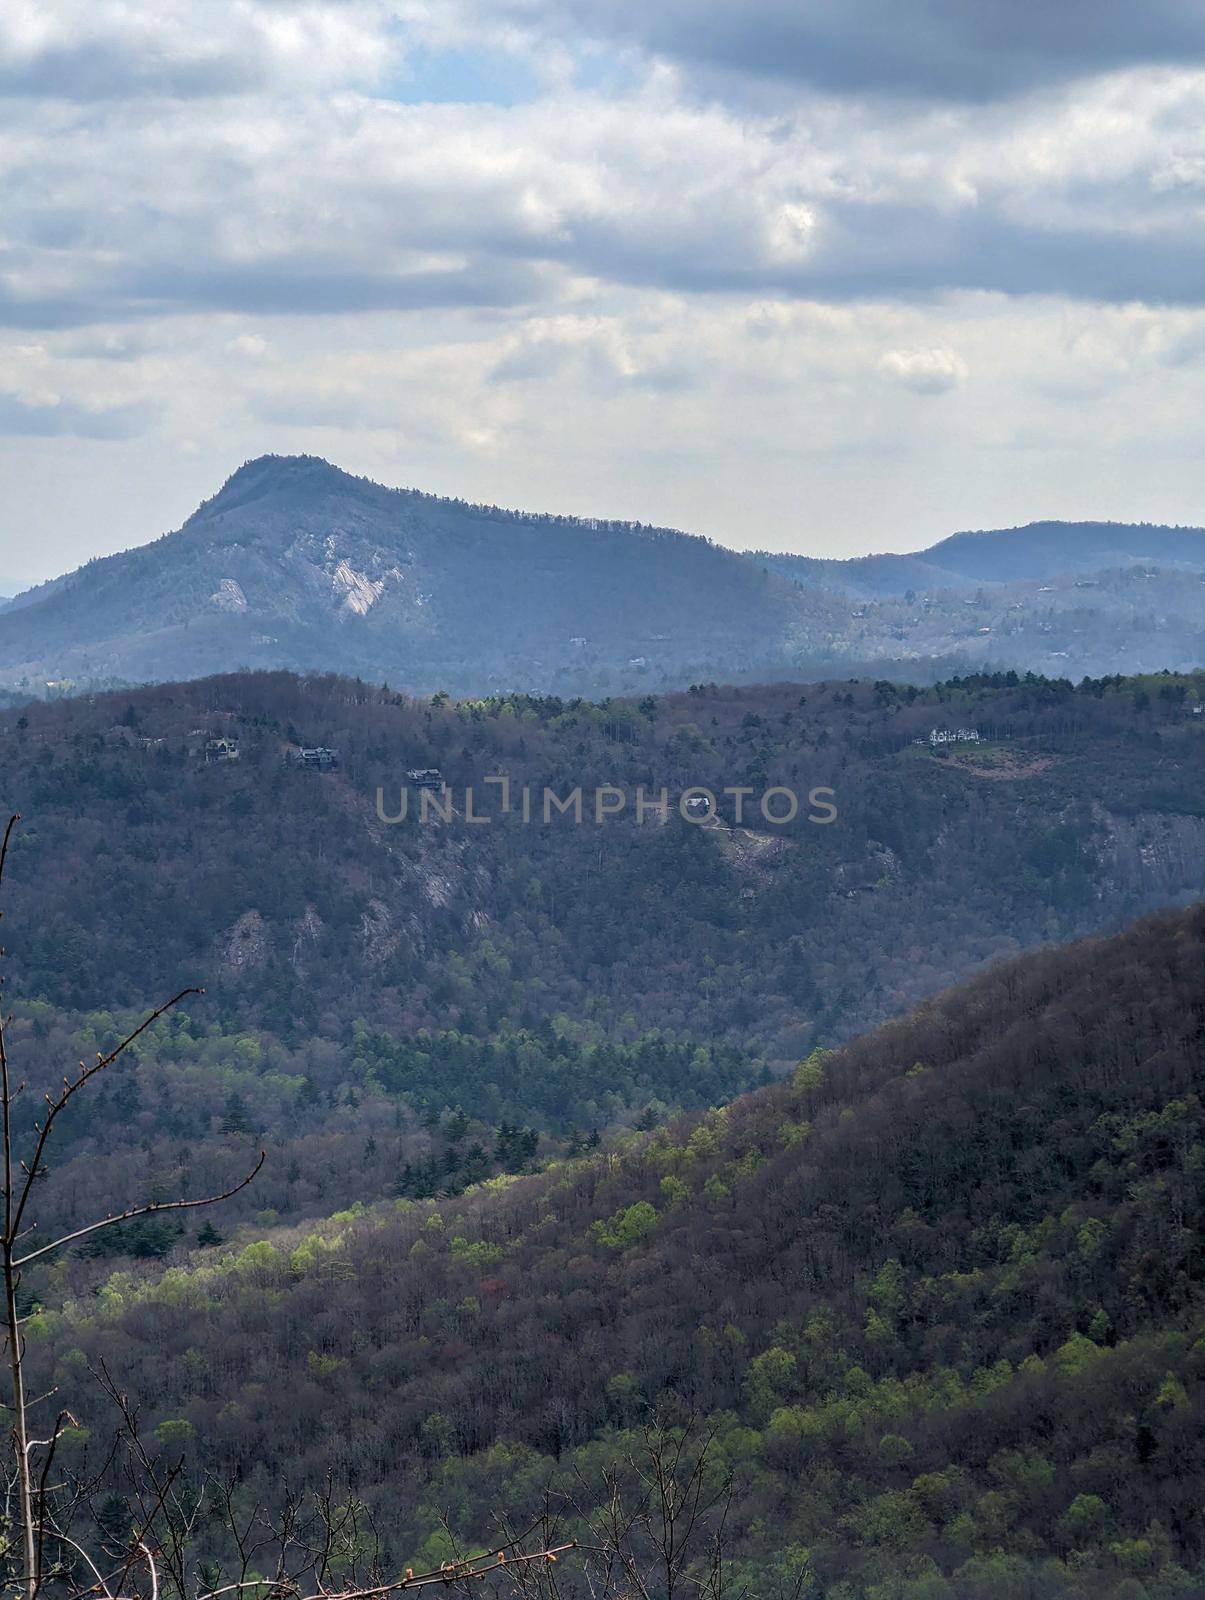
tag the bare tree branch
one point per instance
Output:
(71, 1087)
(322, 1547)
(154, 1207)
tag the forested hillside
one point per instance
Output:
(937, 1301)
(1121, 619)
(371, 986)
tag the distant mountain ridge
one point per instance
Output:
(1032, 553)
(297, 564)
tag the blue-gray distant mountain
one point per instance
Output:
(1034, 553)
(299, 565)
(295, 563)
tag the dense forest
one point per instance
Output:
(371, 985)
(283, 890)
(936, 1301)
(565, 1135)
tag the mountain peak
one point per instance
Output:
(286, 467)
(272, 474)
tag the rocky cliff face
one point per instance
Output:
(1152, 855)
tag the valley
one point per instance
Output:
(588, 1139)
(931, 1307)
(602, 800)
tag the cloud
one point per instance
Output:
(250, 346)
(350, 204)
(61, 418)
(665, 256)
(81, 50)
(606, 357)
(934, 371)
(960, 50)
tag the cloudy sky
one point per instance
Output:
(824, 275)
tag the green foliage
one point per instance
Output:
(627, 1227)
(174, 1432)
(1085, 1521)
(953, 1343)
(768, 1381)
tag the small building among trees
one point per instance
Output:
(319, 756)
(425, 777)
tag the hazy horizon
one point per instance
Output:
(12, 581)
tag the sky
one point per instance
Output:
(819, 275)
